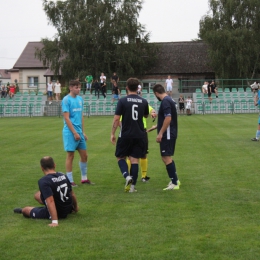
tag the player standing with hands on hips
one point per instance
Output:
(167, 129)
(131, 141)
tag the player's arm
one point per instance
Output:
(52, 210)
(151, 129)
(74, 202)
(116, 122)
(165, 125)
(66, 116)
(82, 123)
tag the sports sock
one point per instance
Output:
(83, 169)
(70, 176)
(171, 169)
(128, 164)
(144, 165)
(123, 167)
(134, 172)
(257, 134)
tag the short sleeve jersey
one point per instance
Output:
(58, 186)
(73, 106)
(168, 108)
(132, 108)
(89, 79)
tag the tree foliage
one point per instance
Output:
(96, 36)
(231, 29)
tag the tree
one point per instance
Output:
(231, 31)
(96, 36)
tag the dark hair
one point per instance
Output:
(132, 84)
(47, 163)
(74, 83)
(158, 88)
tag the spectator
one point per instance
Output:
(188, 105)
(11, 90)
(139, 90)
(49, 89)
(214, 88)
(89, 80)
(181, 104)
(168, 85)
(205, 88)
(114, 77)
(255, 86)
(96, 86)
(57, 90)
(3, 91)
(115, 91)
(257, 103)
(55, 193)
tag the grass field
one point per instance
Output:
(214, 215)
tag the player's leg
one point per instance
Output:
(121, 153)
(134, 172)
(37, 196)
(256, 138)
(68, 165)
(144, 161)
(167, 148)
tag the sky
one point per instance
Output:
(25, 21)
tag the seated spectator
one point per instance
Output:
(188, 105)
(12, 90)
(205, 88)
(3, 91)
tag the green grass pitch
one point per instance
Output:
(214, 215)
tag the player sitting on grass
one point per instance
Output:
(55, 193)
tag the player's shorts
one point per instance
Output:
(40, 212)
(49, 93)
(134, 147)
(167, 147)
(70, 144)
(116, 96)
(169, 88)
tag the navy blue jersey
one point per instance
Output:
(168, 108)
(132, 108)
(58, 186)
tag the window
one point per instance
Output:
(33, 82)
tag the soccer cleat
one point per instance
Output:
(254, 139)
(87, 182)
(144, 180)
(178, 183)
(128, 183)
(18, 210)
(147, 178)
(172, 187)
(73, 184)
(132, 190)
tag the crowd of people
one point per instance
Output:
(8, 90)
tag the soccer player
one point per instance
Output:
(74, 137)
(167, 129)
(55, 193)
(257, 102)
(131, 143)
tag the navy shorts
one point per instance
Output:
(40, 212)
(134, 147)
(167, 147)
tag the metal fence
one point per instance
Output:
(108, 108)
